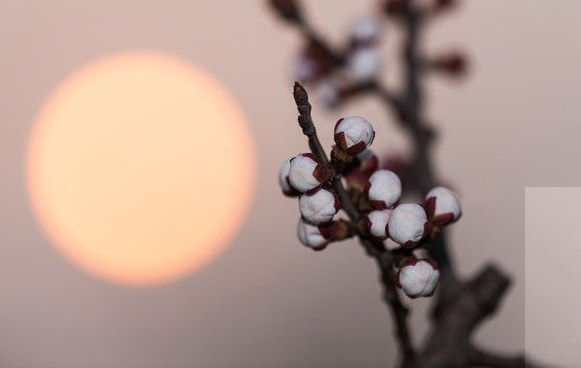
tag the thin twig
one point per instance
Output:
(373, 248)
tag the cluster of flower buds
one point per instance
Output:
(337, 74)
(376, 193)
(364, 60)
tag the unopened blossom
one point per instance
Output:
(383, 189)
(408, 224)
(306, 173)
(353, 134)
(366, 30)
(376, 222)
(310, 235)
(283, 180)
(363, 64)
(329, 91)
(442, 206)
(305, 69)
(418, 277)
(319, 207)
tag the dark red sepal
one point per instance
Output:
(319, 248)
(356, 148)
(341, 142)
(370, 165)
(430, 206)
(322, 173)
(443, 219)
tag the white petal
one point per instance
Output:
(419, 279)
(406, 223)
(328, 91)
(366, 28)
(283, 176)
(364, 64)
(356, 129)
(301, 173)
(319, 207)
(304, 69)
(385, 186)
(309, 234)
(378, 221)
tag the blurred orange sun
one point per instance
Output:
(140, 168)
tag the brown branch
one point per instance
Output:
(373, 248)
(460, 306)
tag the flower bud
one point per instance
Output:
(383, 189)
(364, 64)
(329, 91)
(376, 222)
(310, 236)
(442, 206)
(365, 31)
(306, 174)
(283, 181)
(353, 134)
(319, 207)
(408, 224)
(304, 69)
(418, 277)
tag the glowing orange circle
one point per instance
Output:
(140, 168)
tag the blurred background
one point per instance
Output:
(185, 254)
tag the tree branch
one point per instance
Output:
(460, 306)
(373, 248)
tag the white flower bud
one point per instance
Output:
(363, 64)
(306, 174)
(418, 277)
(353, 134)
(383, 189)
(366, 30)
(283, 181)
(408, 224)
(442, 206)
(310, 235)
(304, 69)
(319, 207)
(377, 223)
(329, 92)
